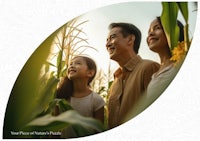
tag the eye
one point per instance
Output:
(157, 27)
(113, 36)
(78, 63)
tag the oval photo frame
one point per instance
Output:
(33, 93)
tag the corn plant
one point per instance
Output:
(169, 22)
(32, 100)
(68, 43)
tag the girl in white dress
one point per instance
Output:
(76, 89)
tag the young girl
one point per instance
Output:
(75, 88)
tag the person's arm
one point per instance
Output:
(99, 114)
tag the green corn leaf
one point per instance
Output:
(47, 92)
(168, 19)
(183, 6)
(23, 104)
(61, 103)
(71, 117)
(59, 63)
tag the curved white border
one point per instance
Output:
(175, 116)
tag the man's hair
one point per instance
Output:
(128, 29)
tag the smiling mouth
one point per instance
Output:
(71, 71)
(111, 50)
(151, 40)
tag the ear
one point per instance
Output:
(91, 73)
(131, 39)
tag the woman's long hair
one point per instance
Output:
(181, 32)
(181, 29)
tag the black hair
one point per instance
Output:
(91, 66)
(65, 89)
(128, 29)
(181, 29)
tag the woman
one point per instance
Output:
(157, 43)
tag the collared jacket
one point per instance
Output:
(130, 83)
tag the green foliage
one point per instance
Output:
(184, 10)
(32, 100)
(25, 101)
(59, 63)
(169, 22)
(61, 104)
(63, 120)
(183, 6)
(168, 19)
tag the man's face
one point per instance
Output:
(117, 45)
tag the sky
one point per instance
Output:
(139, 13)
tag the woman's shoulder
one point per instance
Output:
(95, 95)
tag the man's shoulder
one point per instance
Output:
(146, 61)
(149, 65)
(149, 62)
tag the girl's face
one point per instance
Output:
(156, 38)
(78, 69)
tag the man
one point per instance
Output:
(133, 75)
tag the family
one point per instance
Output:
(135, 78)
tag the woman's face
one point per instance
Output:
(156, 38)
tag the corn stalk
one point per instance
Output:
(33, 95)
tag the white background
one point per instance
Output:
(25, 24)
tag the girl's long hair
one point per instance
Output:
(65, 89)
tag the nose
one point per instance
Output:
(71, 65)
(150, 33)
(108, 44)
(69, 68)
